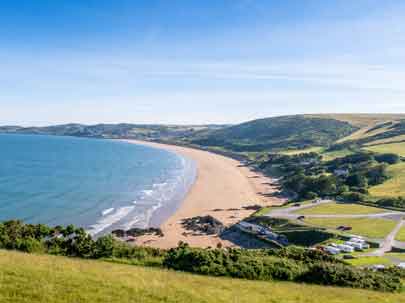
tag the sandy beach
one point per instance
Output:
(221, 183)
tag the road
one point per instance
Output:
(387, 243)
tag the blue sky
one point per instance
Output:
(188, 61)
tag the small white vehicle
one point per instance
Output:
(355, 245)
(401, 265)
(377, 267)
(357, 240)
(332, 250)
(346, 248)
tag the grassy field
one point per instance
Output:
(315, 149)
(396, 148)
(340, 209)
(32, 278)
(329, 156)
(390, 140)
(367, 261)
(398, 256)
(393, 187)
(373, 228)
(401, 235)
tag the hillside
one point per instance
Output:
(292, 132)
(295, 132)
(41, 278)
(373, 129)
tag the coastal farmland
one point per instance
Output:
(372, 228)
(41, 278)
(395, 186)
(340, 209)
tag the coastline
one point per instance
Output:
(221, 183)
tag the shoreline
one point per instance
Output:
(221, 188)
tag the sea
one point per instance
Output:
(97, 184)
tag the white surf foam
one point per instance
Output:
(109, 220)
(107, 211)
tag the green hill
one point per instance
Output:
(292, 132)
(44, 278)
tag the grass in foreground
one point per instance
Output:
(41, 278)
(340, 209)
(393, 187)
(373, 228)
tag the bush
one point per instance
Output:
(343, 275)
(392, 202)
(352, 197)
(388, 158)
(287, 264)
(311, 195)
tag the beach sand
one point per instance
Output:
(221, 183)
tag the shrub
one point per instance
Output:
(388, 158)
(287, 264)
(352, 197)
(343, 275)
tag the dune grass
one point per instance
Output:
(395, 186)
(40, 278)
(373, 228)
(340, 209)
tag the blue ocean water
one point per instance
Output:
(97, 184)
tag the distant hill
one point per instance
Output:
(292, 132)
(117, 131)
(283, 133)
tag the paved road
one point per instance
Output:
(290, 213)
(387, 243)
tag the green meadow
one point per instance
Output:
(26, 278)
(340, 209)
(373, 228)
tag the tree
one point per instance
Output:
(388, 158)
(356, 180)
(104, 247)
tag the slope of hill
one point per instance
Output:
(292, 132)
(44, 278)
(372, 128)
(285, 133)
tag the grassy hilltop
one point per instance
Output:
(44, 278)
